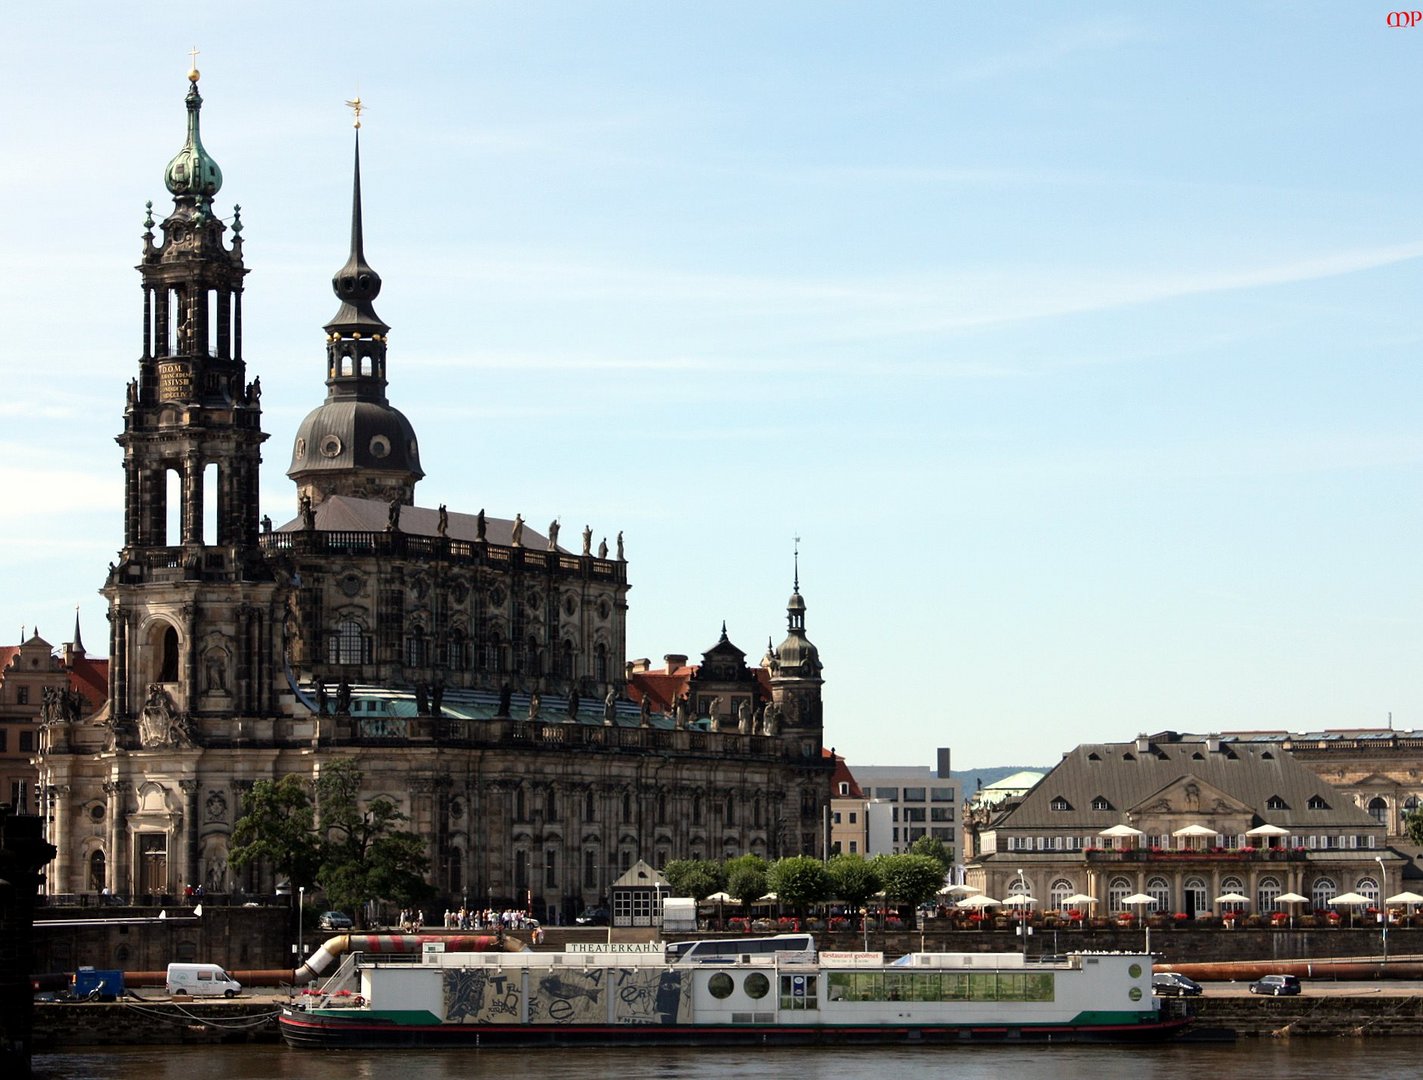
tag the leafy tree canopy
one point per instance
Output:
(933, 847)
(909, 879)
(697, 878)
(799, 880)
(852, 879)
(320, 834)
(1413, 826)
(746, 877)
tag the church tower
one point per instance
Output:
(356, 443)
(795, 669)
(190, 600)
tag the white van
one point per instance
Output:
(201, 980)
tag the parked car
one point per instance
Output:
(593, 916)
(334, 920)
(1276, 985)
(1171, 984)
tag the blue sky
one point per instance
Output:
(1078, 342)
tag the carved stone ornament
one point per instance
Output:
(160, 724)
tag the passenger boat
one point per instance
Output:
(622, 998)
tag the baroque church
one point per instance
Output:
(472, 667)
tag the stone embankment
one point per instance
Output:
(1370, 1015)
(158, 1022)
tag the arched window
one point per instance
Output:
(1410, 804)
(417, 648)
(1378, 808)
(565, 660)
(1118, 889)
(600, 663)
(168, 671)
(1323, 892)
(347, 644)
(551, 805)
(456, 651)
(1018, 887)
(1058, 893)
(1194, 895)
(662, 808)
(97, 872)
(590, 807)
(519, 805)
(493, 654)
(1369, 887)
(456, 870)
(1266, 893)
(696, 807)
(730, 809)
(627, 806)
(1159, 889)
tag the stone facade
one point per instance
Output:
(1184, 821)
(473, 668)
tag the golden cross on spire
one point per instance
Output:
(193, 63)
(357, 107)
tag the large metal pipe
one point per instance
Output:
(1344, 968)
(319, 961)
(337, 946)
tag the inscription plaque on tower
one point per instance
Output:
(175, 382)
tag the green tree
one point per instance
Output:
(935, 849)
(697, 878)
(799, 880)
(746, 878)
(909, 880)
(278, 825)
(1413, 826)
(319, 834)
(852, 879)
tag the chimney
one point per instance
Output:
(675, 661)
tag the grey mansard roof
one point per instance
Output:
(1129, 775)
(345, 513)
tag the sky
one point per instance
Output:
(1077, 343)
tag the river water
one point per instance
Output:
(1268, 1059)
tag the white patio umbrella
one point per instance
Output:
(720, 898)
(1293, 898)
(1079, 898)
(1020, 900)
(959, 890)
(1139, 900)
(1404, 898)
(1353, 900)
(979, 901)
(1121, 832)
(1195, 830)
(1232, 898)
(1267, 832)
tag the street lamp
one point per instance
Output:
(1383, 910)
(1023, 913)
(300, 911)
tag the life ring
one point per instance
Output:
(358, 1001)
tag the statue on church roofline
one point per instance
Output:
(479, 525)
(517, 534)
(587, 539)
(553, 535)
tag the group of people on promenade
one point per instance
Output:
(488, 919)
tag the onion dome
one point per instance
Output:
(192, 172)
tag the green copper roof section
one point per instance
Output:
(192, 172)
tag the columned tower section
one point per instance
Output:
(191, 599)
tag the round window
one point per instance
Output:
(720, 985)
(96, 812)
(756, 985)
(1134, 971)
(1135, 993)
(380, 446)
(300, 454)
(331, 445)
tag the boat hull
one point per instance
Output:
(303, 1029)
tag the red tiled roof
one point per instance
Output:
(91, 679)
(664, 687)
(842, 774)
